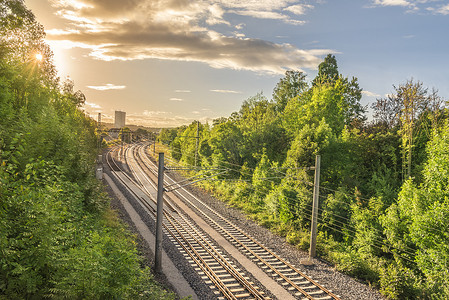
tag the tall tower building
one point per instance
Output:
(120, 117)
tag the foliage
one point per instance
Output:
(292, 85)
(372, 224)
(338, 103)
(415, 113)
(327, 71)
(420, 215)
(57, 239)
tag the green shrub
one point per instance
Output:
(399, 282)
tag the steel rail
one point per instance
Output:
(255, 255)
(192, 252)
(214, 253)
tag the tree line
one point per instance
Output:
(58, 237)
(384, 194)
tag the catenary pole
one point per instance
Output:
(154, 145)
(197, 141)
(316, 194)
(159, 215)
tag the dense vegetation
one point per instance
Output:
(58, 238)
(384, 194)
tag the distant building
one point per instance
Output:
(120, 117)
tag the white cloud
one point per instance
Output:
(182, 91)
(108, 86)
(431, 6)
(370, 94)
(163, 119)
(299, 9)
(295, 22)
(444, 10)
(240, 26)
(92, 105)
(216, 15)
(226, 91)
(154, 113)
(262, 5)
(212, 48)
(176, 99)
(260, 14)
(392, 2)
(177, 30)
(272, 15)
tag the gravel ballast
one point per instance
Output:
(342, 285)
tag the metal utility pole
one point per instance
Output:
(99, 170)
(197, 141)
(159, 215)
(121, 139)
(154, 145)
(99, 132)
(316, 194)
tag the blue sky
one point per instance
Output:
(169, 62)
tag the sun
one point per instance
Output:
(39, 56)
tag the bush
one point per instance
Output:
(55, 241)
(356, 264)
(399, 282)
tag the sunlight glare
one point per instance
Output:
(39, 56)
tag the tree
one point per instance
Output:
(414, 103)
(57, 237)
(417, 225)
(255, 112)
(167, 135)
(387, 112)
(337, 103)
(415, 112)
(21, 38)
(292, 85)
(226, 141)
(78, 98)
(354, 112)
(327, 71)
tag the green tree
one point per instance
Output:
(76, 97)
(293, 84)
(338, 104)
(226, 144)
(167, 135)
(415, 113)
(417, 225)
(413, 99)
(57, 239)
(387, 112)
(327, 71)
(261, 132)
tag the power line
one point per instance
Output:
(304, 181)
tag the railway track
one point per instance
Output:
(288, 275)
(216, 269)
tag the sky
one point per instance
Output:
(167, 63)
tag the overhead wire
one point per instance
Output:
(376, 246)
(348, 225)
(304, 181)
(385, 248)
(377, 243)
(249, 168)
